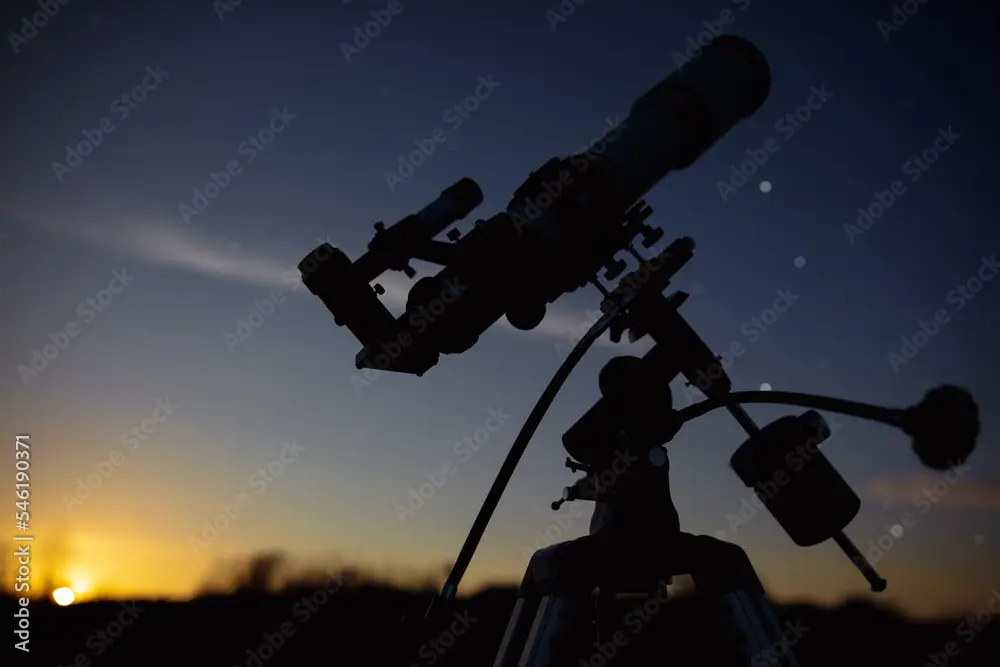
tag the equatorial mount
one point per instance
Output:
(636, 405)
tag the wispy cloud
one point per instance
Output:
(192, 250)
(965, 493)
(207, 256)
(180, 248)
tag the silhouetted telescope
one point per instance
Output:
(565, 223)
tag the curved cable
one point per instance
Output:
(890, 416)
(450, 587)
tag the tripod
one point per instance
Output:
(635, 544)
(634, 547)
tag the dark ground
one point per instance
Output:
(361, 624)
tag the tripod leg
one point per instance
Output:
(783, 643)
(518, 629)
(551, 601)
(760, 638)
(725, 571)
(554, 621)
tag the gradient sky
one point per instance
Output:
(164, 336)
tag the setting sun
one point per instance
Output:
(63, 596)
(80, 585)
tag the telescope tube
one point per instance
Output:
(668, 128)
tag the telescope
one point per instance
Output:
(565, 224)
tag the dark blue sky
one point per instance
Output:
(324, 176)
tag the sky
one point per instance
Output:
(192, 369)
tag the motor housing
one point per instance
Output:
(794, 479)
